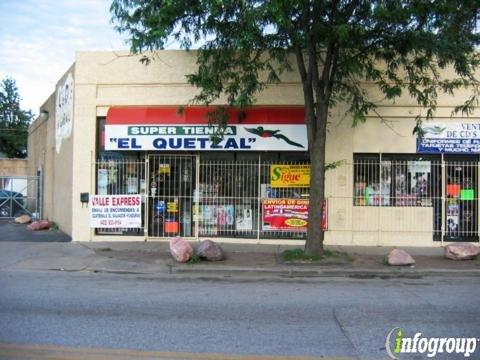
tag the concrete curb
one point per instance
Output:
(295, 272)
(215, 272)
(252, 274)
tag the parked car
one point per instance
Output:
(12, 204)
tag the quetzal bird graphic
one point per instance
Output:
(264, 133)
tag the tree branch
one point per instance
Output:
(306, 77)
(333, 70)
(301, 63)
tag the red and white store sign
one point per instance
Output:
(164, 129)
(115, 211)
(289, 215)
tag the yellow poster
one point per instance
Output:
(172, 207)
(289, 176)
(164, 169)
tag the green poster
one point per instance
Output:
(467, 194)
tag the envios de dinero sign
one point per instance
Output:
(169, 133)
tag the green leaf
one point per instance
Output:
(14, 121)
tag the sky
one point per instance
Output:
(38, 40)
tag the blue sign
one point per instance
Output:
(448, 146)
(450, 138)
(160, 207)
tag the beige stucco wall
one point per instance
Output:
(104, 79)
(18, 167)
(387, 131)
(40, 153)
(55, 166)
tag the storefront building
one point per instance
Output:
(124, 157)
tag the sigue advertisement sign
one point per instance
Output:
(289, 176)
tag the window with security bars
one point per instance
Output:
(227, 197)
(231, 192)
(119, 174)
(396, 180)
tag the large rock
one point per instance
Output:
(23, 219)
(210, 251)
(461, 251)
(180, 249)
(399, 257)
(40, 225)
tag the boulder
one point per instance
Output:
(399, 257)
(40, 225)
(23, 219)
(210, 251)
(180, 249)
(461, 251)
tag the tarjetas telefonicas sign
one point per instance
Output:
(449, 138)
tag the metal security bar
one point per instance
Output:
(377, 199)
(461, 200)
(120, 177)
(442, 196)
(189, 196)
(228, 203)
(396, 182)
(171, 182)
(290, 193)
(232, 195)
(20, 195)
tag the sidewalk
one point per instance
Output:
(244, 262)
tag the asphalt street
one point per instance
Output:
(335, 317)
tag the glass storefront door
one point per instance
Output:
(461, 199)
(170, 195)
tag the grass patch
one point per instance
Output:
(348, 257)
(385, 260)
(194, 259)
(105, 249)
(299, 255)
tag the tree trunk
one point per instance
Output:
(315, 233)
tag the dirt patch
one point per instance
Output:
(271, 259)
(153, 256)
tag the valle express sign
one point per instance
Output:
(254, 137)
(115, 211)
